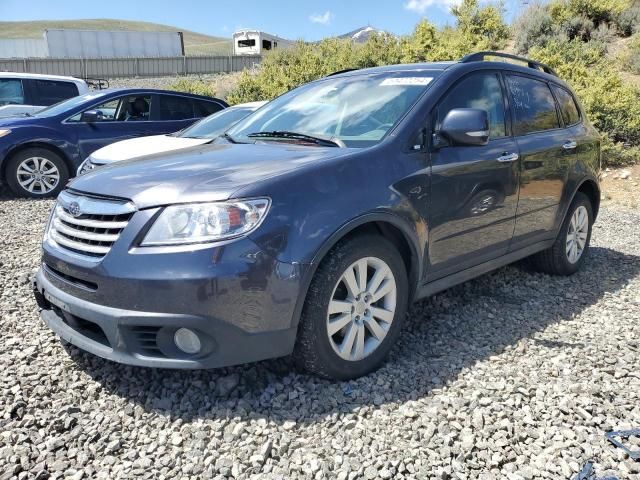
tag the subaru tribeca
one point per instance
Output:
(311, 224)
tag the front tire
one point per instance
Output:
(568, 253)
(36, 173)
(354, 309)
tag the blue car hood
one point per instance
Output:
(204, 173)
(19, 121)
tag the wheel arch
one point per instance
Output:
(591, 189)
(35, 144)
(388, 225)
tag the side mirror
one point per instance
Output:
(91, 116)
(466, 126)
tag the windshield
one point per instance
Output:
(358, 110)
(66, 105)
(216, 124)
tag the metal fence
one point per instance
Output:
(130, 67)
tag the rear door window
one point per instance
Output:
(479, 90)
(568, 107)
(533, 103)
(49, 92)
(175, 108)
(11, 92)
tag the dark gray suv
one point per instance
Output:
(309, 227)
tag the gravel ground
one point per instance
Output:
(514, 375)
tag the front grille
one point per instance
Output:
(86, 225)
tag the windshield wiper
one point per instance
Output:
(226, 136)
(332, 142)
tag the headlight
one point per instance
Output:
(86, 166)
(206, 222)
(4, 131)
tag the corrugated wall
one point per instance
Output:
(130, 67)
(23, 48)
(66, 43)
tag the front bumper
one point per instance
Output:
(146, 338)
(240, 300)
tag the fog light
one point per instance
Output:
(187, 341)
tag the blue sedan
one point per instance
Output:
(39, 152)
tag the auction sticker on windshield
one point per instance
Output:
(407, 81)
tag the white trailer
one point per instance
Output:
(255, 42)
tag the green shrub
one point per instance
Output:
(628, 21)
(604, 34)
(597, 11)
(631, 61)
(198, 87)
(619, 154)
(534, 28)
(579, 27)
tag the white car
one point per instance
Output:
(27, 93)
(197, 134)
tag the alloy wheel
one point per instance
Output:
(361, 309)
(577, 234)
(38, 175)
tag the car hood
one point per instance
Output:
(209, 172)
(19, 121)
(137, 147)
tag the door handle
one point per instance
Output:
(570, 145)
(508, 157)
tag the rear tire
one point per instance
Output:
(36, 173)
(366, 310)
(571, 248)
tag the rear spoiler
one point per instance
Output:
(97, 83)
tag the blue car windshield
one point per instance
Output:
(216, 124)
(357, 110)
(66, 105)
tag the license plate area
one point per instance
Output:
(58, 303)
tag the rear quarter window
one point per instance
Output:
(204, 109)
(175, 108)
(534, 105)
(568, 106)
(49, 92)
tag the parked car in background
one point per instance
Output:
(201, 132)
(40, 152)
(309, 227)
(22, 93)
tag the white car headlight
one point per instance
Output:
(206, 222)
(85, 166)
(4, 132)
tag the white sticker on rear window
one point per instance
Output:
(407, 81)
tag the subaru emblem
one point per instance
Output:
(74, 209)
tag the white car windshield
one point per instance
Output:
(216, 124)
(354, 111)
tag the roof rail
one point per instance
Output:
(482, 56)
(346, 70)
